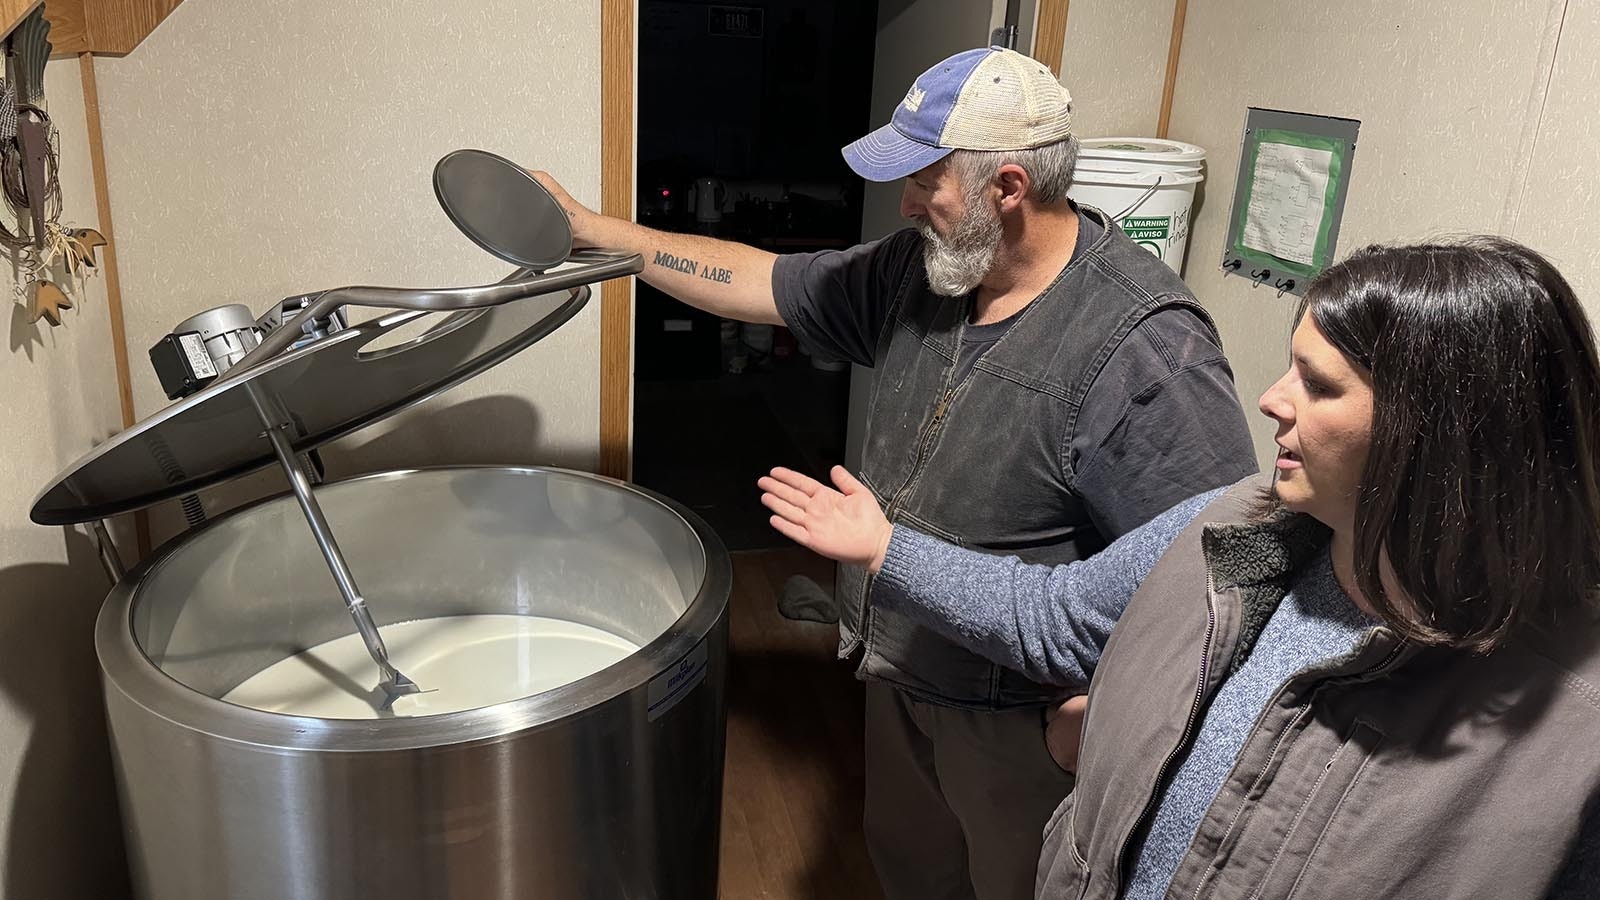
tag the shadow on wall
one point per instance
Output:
(25, 335)
(64, 838)
(495, 430)
(888, 10)
(500, 429)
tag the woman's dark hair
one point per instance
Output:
(1480, 488)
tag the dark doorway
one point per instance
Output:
(742, 111)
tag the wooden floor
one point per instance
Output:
(791, 812)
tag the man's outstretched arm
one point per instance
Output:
(724, 278)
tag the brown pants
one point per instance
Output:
(957, 799)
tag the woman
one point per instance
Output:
(1376, 677)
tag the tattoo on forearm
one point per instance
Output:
(693, 267)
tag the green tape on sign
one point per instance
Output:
(1338, 153)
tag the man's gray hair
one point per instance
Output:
(1049, 168)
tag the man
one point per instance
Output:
(1043, 386)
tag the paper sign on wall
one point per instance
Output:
(1294, 170)
(1287, 197)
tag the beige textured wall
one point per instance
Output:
(262, 149)
(59, 836)
(1446, 109)
(1114, 62)
(1558, 211)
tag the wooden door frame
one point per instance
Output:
(1050, 33)
(617, 99)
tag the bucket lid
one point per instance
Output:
(1130, 167)
(1148, 150)
(354, 377)
(1138, 177)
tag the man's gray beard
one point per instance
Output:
(958, 264)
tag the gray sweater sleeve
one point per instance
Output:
(1049, 623)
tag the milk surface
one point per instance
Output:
(461, 662)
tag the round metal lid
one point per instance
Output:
(319, 392)
(497, 204)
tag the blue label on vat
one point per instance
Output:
(674, 684)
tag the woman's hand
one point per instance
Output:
(844, 524)
(1063, 731)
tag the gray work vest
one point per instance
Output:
(984, 462)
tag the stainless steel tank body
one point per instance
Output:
(608, 787)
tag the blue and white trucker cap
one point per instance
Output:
(988, 99)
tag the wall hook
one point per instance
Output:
(1286, 284)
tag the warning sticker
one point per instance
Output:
(1149, 232)
(1147, 228)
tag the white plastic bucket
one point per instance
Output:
(1146, 185)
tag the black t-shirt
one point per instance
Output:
(976, 339)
